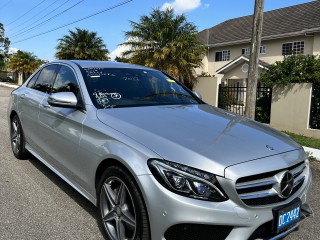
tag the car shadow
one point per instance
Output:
(65, 187)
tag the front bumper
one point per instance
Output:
(167, 209)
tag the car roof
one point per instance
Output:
(101, 64)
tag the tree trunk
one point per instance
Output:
(20, 78)
(251, 95)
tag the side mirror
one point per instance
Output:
(197, 94)
(63, 99)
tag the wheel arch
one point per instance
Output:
(104, 165)
(109, 162)
(13, 113)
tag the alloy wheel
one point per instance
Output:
(117, 209)
(15, 136)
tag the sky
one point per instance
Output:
(50, 20)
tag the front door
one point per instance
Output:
(62, 127)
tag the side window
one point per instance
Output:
(65, 81)
(33, 80)
(45, 79)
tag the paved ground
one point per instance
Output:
(36, 204)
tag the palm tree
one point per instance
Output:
(166, 42)
(25, 63)
(81, 44)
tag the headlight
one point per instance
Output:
(187, 181)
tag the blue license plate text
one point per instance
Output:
(288, 216)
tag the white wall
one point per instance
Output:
(208, 87)
(290, 109)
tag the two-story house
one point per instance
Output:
(286, 31)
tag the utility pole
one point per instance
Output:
(254, 59)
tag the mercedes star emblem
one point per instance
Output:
(286, 185)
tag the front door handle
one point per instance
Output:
(46, 106)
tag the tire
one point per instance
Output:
(17, 139)
(121, 210)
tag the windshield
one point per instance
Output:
(124, 87)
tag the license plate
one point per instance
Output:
(287, 216)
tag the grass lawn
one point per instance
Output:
(305, 141)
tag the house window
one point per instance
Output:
(293, 48)
(246, 51)
(263, 49)
(223, 56)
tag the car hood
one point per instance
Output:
(200, 136)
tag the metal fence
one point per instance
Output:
(233, 98)
(315, 107)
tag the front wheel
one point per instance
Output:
(17, 139)
(121, 207)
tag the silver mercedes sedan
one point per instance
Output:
(157, 161)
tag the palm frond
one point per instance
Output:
(167, 42)
(81, 44)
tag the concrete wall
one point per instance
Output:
(316, 44)
(290, 109)
(208, 87)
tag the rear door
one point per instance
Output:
(29, 102)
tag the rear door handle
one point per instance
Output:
(23, 96)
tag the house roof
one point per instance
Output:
(236, 62)
(284, 22)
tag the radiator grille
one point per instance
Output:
(263, 189)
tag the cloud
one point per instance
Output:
(182, 6)
(207, 5)
(118, 52)
(13, 50)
